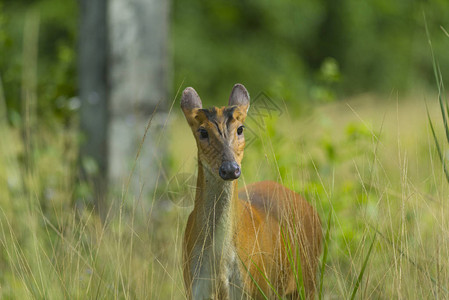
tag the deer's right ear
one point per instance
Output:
(190, 103)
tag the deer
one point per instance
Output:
(252, 243)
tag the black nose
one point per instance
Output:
(229, 170)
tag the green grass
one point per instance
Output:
(325, 252)
(372, 163)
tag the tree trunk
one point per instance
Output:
(139, 31)
(123, 77)
(93, 91)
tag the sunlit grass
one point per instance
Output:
(373, 163)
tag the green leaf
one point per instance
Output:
(253, 280)
(440, 153)
(325, 251)
(297, 270)
(362, 271)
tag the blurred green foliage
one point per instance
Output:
(56, 59)
(297, 51)
(306, 50)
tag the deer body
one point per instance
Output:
(236, 242)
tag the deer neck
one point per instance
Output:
(214, 215)
(215, 202)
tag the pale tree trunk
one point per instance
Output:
(123, 77)
(139, 31)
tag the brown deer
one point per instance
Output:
(252, 243)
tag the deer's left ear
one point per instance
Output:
(240, 97)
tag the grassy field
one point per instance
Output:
(369, 162)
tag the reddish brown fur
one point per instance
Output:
(269, 207)
(263, 217)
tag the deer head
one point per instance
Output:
(218, 131)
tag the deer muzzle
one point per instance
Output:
(229, 170)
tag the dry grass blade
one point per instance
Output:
(410, 260)
(138, 152)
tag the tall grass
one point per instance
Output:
(444, 109)
(376, 176)
(53, 249)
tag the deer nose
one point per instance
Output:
(229, 170)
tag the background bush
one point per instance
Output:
(298, 51)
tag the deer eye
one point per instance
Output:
(203, 133)
(240, 130)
